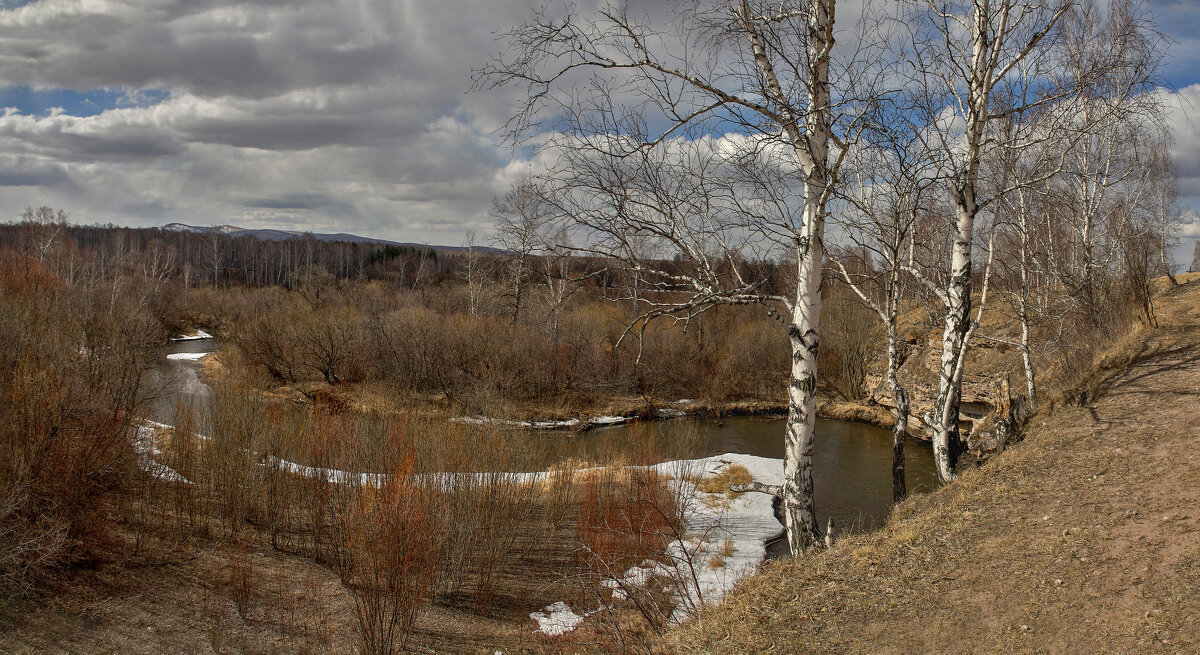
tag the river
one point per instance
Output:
(851, 469)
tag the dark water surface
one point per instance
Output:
(175, 380)
(852, 462)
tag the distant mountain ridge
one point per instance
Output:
(283, 235)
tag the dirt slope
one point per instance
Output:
(1084, 539)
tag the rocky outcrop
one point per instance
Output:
(988, 411)
(993, 433)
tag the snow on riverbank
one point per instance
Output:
(200, 334)
(517, 425)
(144, 444)
(562, 424)
(186, 357)
(724, 538)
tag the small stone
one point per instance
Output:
(1058, 581)
(1024, 628)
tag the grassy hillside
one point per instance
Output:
(1085, 538)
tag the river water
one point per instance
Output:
(851, 469)
(178, 380)
(852, 462)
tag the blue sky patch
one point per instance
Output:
(39, 102)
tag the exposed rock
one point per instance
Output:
(994, 432)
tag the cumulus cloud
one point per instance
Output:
(1181, 107)
(321, 114)
(329, 115)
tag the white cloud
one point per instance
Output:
(326, 114)
(346, 115)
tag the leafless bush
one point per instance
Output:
(850, 341)
(390, 541)
(71, 364)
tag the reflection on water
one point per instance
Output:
(174, 380)
(852, 462)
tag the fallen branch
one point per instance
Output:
(772, 489)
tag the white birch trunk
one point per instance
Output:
(954, 336)
(900, 397)
(946, 442)
(799, 516)
(1026, 351)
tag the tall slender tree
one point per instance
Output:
(650, 94)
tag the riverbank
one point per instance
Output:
(1085, 538)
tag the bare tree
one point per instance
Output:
(473, 274)
(214, 254)
(556, 270)
(635, 106)
(1164, 184)
(885, 186)
(975, 66)
(44, 225)
(520, 216)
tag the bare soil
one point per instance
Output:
(1085, 538)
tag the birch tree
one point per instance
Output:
(884, 189)
(1023, 208)
(974, 65)
(43, 226)
(1164, 182)
(1108, 142)
(519, 217)
(630, 90)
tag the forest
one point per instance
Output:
(358, 461)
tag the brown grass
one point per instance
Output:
(721, 482)
(1083, 539)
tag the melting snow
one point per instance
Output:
(724, 538)
(517, 425)
(200, 334)
(556, 619)
(143, 444)
(190, 357)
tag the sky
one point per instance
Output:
(322, 115)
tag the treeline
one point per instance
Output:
(212, 258)
(556, 358)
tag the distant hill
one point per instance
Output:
(283, 235)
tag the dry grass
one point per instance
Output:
(1083, 539)
(721, 482)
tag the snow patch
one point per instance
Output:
(144, 446)
(556, 619)
(200, 334)
(610, 420)
(724, 538)
(187, 357)
(517, 425)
